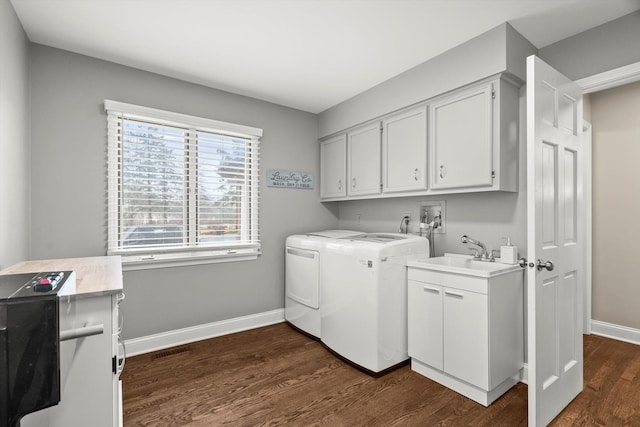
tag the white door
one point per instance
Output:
(333, 167)
(404, 151)
(555, 241)
(363, 159)
(462, 139)
(424, 325)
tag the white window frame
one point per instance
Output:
(141, 258)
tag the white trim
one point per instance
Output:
(179, 119)
(149, 343)
(617, 332)
(588, 223)
(612, 78)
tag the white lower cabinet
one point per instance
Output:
(466, 332)
(90, 393)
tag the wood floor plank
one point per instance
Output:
(277, 376)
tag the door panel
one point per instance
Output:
(570, 196)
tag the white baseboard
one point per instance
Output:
(524, 374)
(177, 337)
(609, 330)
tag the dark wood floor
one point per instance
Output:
(277, 376)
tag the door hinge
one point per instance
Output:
(493, 94)
(381, 128)
(493, 174)
(114, 364)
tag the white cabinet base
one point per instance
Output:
(472, 392)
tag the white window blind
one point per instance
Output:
(181, 189)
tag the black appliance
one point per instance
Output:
(29, 343)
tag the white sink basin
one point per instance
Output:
(461, 264)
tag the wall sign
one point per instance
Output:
(289, 179)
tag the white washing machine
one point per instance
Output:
(302, 278)
(364, 297)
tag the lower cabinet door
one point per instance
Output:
(466, 354)
(425, 323)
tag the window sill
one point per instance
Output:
(138, 261)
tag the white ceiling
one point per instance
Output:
(305, 54)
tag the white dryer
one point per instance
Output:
(302, 278)
(364, 297)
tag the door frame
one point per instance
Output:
(597, 82)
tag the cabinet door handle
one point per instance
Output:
(432, 290)
(416, 174)
(453, 294)
(353, 183)
(339, 184)
(442, 171)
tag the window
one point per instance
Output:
(181, 189)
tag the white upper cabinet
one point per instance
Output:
(474, 139)
(462, 142)
(404, 148)
(363, 160)
(333, 167)
(462, 146)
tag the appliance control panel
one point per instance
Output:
(45, 282)
(29, 285)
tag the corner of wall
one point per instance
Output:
(14, 128)
(518, 48)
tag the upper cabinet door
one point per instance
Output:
(462, 139)
(404, 149)
(363, 160)
(333, 167)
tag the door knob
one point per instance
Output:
(540, 264)
(522, 262)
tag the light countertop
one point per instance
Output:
(94, 275)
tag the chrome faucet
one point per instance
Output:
(480, 255)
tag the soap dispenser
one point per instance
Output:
(508, 253)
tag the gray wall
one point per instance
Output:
(501, 49)
(599, 49)
(14, 139)
(69, 203)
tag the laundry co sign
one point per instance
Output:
(289, 179)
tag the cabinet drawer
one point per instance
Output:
(450, 280)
